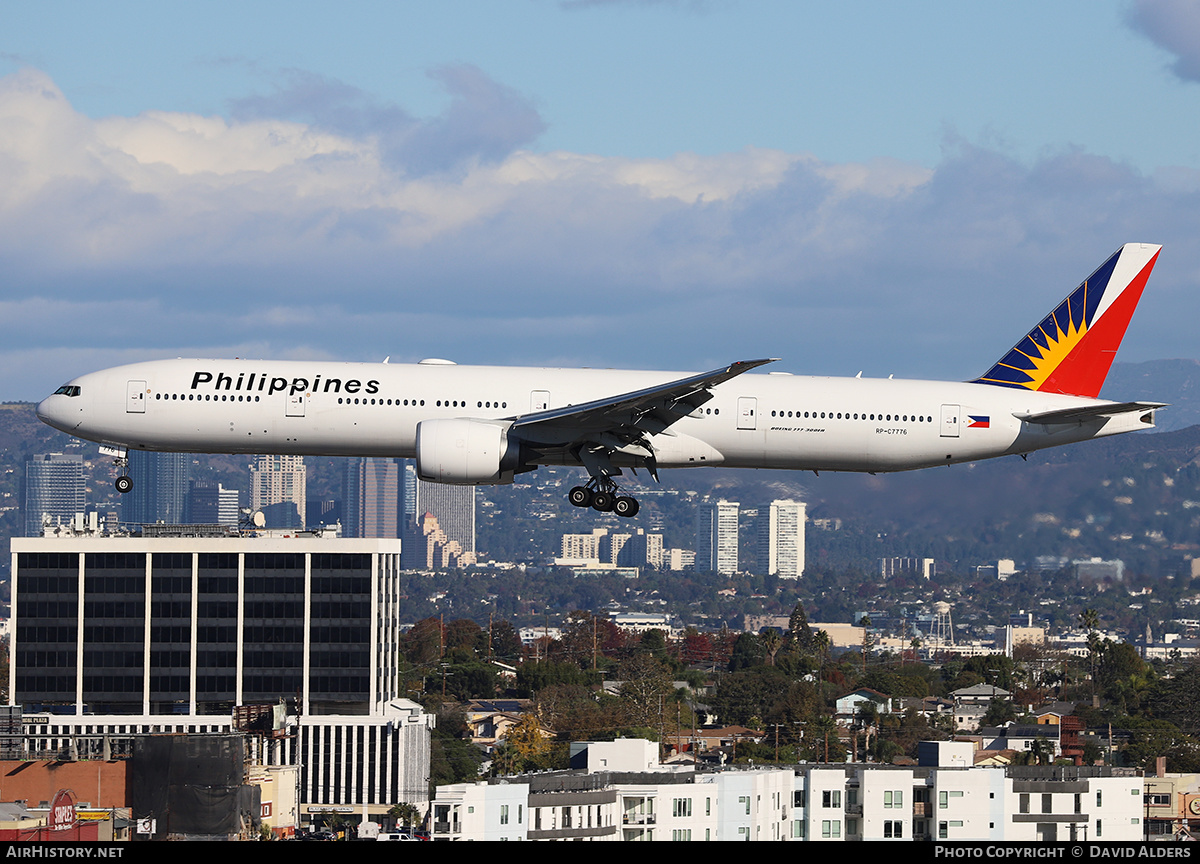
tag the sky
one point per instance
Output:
(863, 186)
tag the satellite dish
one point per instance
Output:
(259, 520)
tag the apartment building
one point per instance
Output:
(943, 799)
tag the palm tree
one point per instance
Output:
(822, 643)
(865, 623)
(772, 642)
(405, 814)
(1089, 621)
(821, 728)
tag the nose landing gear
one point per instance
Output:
(124, 482)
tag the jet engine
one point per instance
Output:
(466, 452)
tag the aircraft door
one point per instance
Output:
(135, 397)
(747, 409)
(539, 400)
(295, 405)
(950, 421)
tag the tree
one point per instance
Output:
(532, 677)
(746, 697)
(822, 643)
(471, 681)
(1042, 750)
(999, 711)
(575, 713)
(1175, 699)
(505, 643)
(798, 629)
(865, 623)
(452, 757)
(527, 737)
(405, 814)
(748, 651)
(422, 644)
(822, 743)
(1089, 621)
(645, 689)
(698, 648)
(771, 642)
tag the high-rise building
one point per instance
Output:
(408, 492)
(277, 488)
(634, 549)
(433, 550)
(679, 559)
(452, 506)
(212, 504)
(889, 567)
(583, 547)
(371, 498)
(54, 488)
(114, 637)
(133, 625)
(781, 539)
(717, 537)
(323, 513)
(161, 491)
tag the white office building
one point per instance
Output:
(781, 539)
(717, 537)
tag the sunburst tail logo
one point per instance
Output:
(1071, 349)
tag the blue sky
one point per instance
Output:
(897, 188)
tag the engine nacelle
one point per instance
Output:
(466, 452)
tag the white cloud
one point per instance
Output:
(133, 236)
(207, 183)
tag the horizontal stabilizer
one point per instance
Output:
(1089, 412)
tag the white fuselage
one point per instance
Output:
(365, 409)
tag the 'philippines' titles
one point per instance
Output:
(255, 382)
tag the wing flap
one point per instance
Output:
(629, 416)
(1088, 412)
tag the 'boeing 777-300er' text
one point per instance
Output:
(479, 425)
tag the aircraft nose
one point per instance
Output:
(53, 412)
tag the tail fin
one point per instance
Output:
(1071, 350)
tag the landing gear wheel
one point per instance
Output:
(602, 501)
(580, 496)
(124, 484)
(625, 506)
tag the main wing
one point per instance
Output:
(593, 430)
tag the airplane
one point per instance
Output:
(483, 425)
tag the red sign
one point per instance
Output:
(62, 810)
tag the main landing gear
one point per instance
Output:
(601, 495)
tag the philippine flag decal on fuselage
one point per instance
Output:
(984, 422)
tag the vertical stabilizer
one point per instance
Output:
(1072, 348)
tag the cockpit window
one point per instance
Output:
(67, 390)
